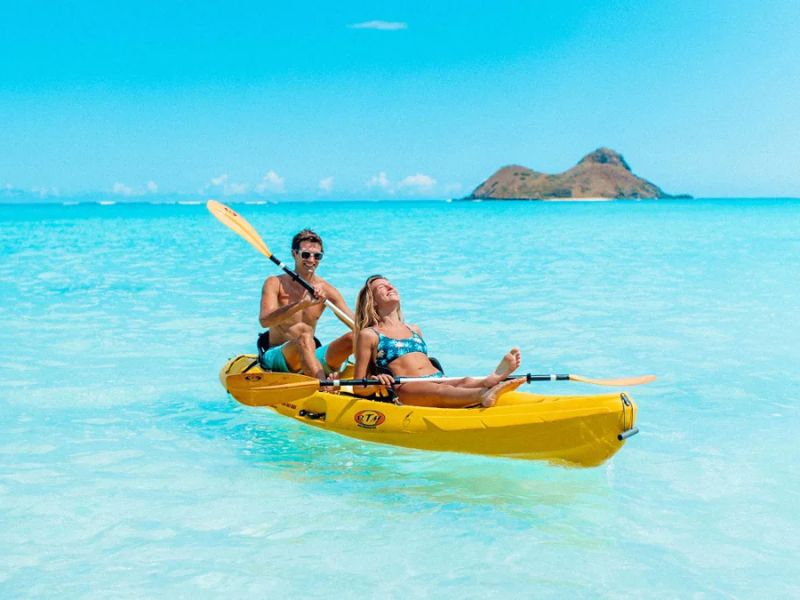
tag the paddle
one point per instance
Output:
(233, 220)
(252, 389)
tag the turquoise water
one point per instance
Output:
(125, 470)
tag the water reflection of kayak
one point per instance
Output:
(578, 430)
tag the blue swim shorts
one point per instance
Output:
(274, 360)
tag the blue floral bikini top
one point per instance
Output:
(390, 349)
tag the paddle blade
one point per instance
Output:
(236, 222)
(622, 382)
(269, 389)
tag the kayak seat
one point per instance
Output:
(435, 362)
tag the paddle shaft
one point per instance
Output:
(312, 383)
(359, 382)
(529, 378)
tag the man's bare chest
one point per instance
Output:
(309, 314)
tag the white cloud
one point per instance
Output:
(326, 184)
(271, 182)
(223, 185)
(122, 189)
(380, 25)
(152, 187)
(379, 180)
(44, 192)
(418, 181)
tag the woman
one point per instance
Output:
(384, 340)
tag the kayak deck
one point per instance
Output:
(579, 430)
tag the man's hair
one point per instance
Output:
(306, 236)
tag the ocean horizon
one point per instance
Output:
(201, 199)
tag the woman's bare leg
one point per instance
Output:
(509, 363)
(467, 391)
(501, 388)
(443, 395)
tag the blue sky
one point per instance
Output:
(394, 99)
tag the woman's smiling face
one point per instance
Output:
(383, 292)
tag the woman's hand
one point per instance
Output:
(334, 389)
(385, 379)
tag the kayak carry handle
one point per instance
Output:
(627, 433)
(313, 416)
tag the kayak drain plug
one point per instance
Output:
(628, 433)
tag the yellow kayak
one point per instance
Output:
(576, 430)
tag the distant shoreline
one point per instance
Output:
(71, 202)
(545, 199)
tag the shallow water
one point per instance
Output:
(126, 471)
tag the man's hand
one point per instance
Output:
(319, 297)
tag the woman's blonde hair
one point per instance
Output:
(366, 314)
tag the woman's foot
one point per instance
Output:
(490, 396)
(506, 367)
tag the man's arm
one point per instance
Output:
(271, 312)
(336, 299)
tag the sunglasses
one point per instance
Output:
(305, 254)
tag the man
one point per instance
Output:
(291, 314)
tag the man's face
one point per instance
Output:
(308, 257)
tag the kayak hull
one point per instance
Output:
(575, 430)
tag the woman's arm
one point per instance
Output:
(366, 342)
